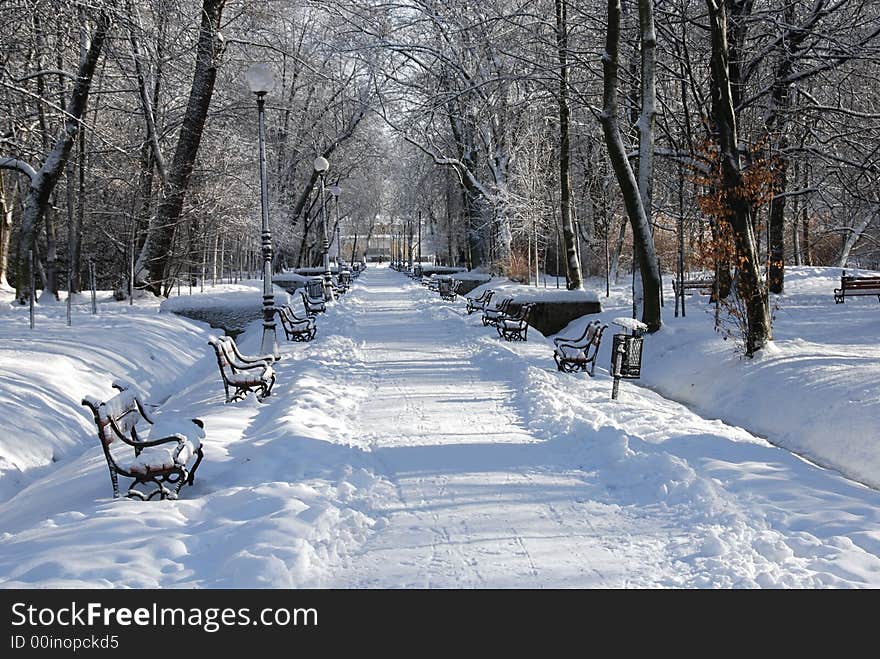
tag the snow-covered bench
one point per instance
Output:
(313, 305)
(479, 303)
(295, 327)
(242, 374)
(579, 354)
(515, 326)
(164, 452)
(448, 289)
(491, 315)
(856, 285)
(703, 285)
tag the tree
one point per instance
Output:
(635, 208)
(749, 287)
(42, 181)
(155, 259)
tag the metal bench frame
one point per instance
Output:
(117, 419)
(588, 342)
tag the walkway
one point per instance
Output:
(485, 497)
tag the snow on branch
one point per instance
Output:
(20, 165)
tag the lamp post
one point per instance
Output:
(321, 166)
(335, 190)
(261, 81)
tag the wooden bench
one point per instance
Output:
(448, 289)
(315, 288)
(515, 326)
(479, 303)
(492, 315)
(296, 328)
(579, 354)
(856, 285)
(242, 374)
(161, 454)
(704, 285)
(312, 305)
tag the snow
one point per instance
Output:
(292, 277)
(472, 276)
(521, 293)
(632, 324)
(407, 446)
(245, 296)
(814, 390)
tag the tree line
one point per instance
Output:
(659, 136)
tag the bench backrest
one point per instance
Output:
(503, 305)
(522, 314)
(123, 411)
(860, 282)
(311, 303)
(227, 357)
(315, 288)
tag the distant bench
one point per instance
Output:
(851, 285)
(579, 354)
(242, 374)
(703, 284)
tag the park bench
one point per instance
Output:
(312, 305)
(162, 454)
(432, 283)
(479, 303)
(702, 285)
(515, 326)
(344, 279)
(242, 374)
(851, 285)
(492, 315)
(579, 354)
(315, 288)
(296, 328)
(448, 289)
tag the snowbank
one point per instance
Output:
(45, 373)
(472, 276)
(814, 390)
(522, 293)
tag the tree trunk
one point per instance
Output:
(739, 209)
(618, 250)
(642, 238)
(5, 232)
(851, 238)
(648, 39)
(43, 181)
(155, 260)
(795, 221)
(572, 262)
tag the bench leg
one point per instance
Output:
(192, 474)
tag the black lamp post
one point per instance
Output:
(335, 190)
(322, 166)
(261, 81)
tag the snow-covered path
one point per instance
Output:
(408, 446)
(490, 491)
(474, 502)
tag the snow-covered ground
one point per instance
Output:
(407, 446)
(814, 390)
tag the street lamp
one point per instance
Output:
(335, 190)
(321, 166)
(261, 81)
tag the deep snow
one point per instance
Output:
(408, 446)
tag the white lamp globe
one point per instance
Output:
(260, 79)
(321, 165)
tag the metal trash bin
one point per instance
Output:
(626, 352)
